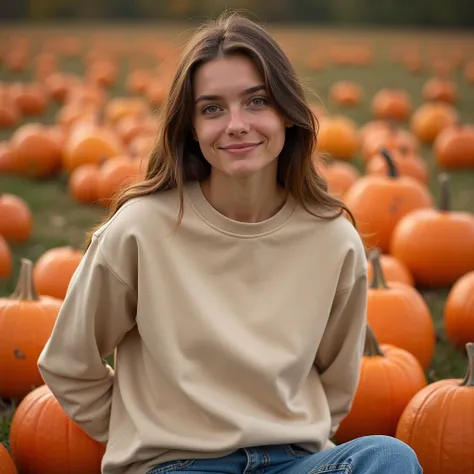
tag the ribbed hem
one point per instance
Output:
(224, 224)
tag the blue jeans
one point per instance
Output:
(366, 455)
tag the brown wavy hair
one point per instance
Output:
(177, 158)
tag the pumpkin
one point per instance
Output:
(379, 202)
(435, 244)
(454, 147)
(392, 138)
(38, 449)
(438, 89)
(26, 322)
(393, 269)
(389, 378)
(36, 150)
(430, 118)
(407, 163)
(6, 462)
(10, 113)
(6, 259)
(339, 175)
(438, 424)
(346, 93)
(31, 98)
(338, 137)
(398, 315)
(459, 311)
(16, 224)
(114, 175)
(6, 158)
(82, 183)
(54, 269)
(91, 143)
(393, 104)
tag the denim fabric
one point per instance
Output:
(366, 455)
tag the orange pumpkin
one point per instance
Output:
(16, 224)
(6, 462)
(454, 147)
(82, 183)
(26, 322)
(54, 269)
(38, 449)
(36, 150)
(438, 424)
(389, 378)
(339, 175)
(379, 202)
(6, 259)
(10, 113)
(430, 118)
(346, 93)
(91, 143)
(393, 270)
(438, 89)
(394, 104)
(435, 244)
(116, 174)
(407, 163)
(338, 137)
(6, 158)
(31, 98)
(459, 311)
(392, 138)
(398, 315)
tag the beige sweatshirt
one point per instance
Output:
(227, 334)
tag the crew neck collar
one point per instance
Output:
(230, 226)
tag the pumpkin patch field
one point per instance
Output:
(79, 115)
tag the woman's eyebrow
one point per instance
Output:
(250, 90)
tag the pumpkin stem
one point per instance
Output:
(25, 288)
(392, 169)
(371, 347)
(469, 379)
(378, 279)
(445, 198)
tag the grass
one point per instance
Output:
(58, 220)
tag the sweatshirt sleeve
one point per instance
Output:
(98, 310)
(340, 353)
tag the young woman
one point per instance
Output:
(228, 283)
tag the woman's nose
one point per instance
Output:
(237, 125)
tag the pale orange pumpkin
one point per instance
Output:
(398, 315)
(346, 93)
(339, 175)
(54, 269)
(438, 89)
(438, 424)
(389, 378)
(26, 323)
(458, 315)
(38, 449)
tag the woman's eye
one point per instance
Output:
(259, 101)
(210, 109)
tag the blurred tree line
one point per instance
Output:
(448, 13)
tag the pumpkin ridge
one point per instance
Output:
(448, 394)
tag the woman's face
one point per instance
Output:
(239, 131)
